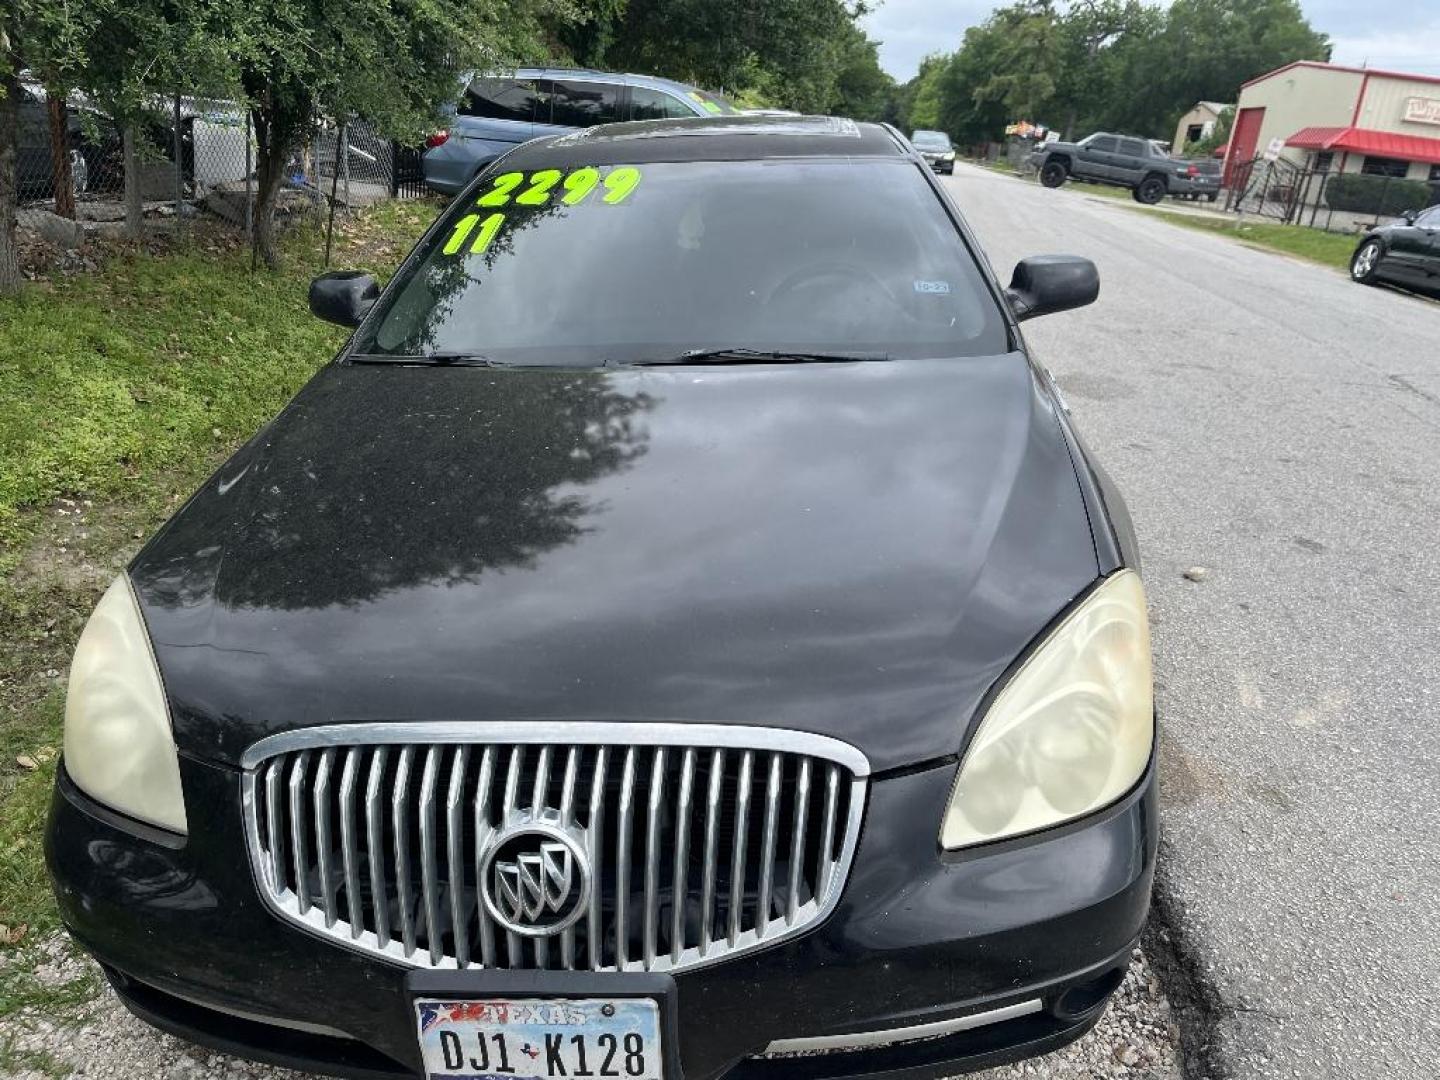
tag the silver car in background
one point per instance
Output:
(498, 112)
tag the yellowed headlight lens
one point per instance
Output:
(119, 748)
(1070, 733)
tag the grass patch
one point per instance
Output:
(156, 364)
(1105, 191)
(1316, 245)
(119, 392)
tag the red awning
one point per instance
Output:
(1368, 141)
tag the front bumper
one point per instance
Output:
(939, 163)
(919, 938)
(1194, 186)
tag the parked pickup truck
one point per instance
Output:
(1125, 161)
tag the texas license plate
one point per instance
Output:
(540, 1038)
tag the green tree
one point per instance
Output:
(48, 37)
(1207, 49)
(862, 89)
(389, 61)
(967, 114)
(922, 97)
(793, 50)
(1097, 37)
(1028, 55)
(1123, 65)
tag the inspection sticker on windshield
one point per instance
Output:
(934, 288)
(540, 1038)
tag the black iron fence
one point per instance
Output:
(1286, 192)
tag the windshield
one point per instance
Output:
(632, 263)
(713, 104)
(930, 140)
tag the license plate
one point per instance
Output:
(540, 1038)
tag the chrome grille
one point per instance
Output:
(701, 841)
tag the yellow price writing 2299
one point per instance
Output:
(538, 188)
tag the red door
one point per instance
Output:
(1243, 137)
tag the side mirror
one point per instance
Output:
(343, 296)
(1409, 216)
(1045, 283)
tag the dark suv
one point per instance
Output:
(1125, 161)
(498, 112)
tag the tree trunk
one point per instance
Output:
(60, 155)
(134, 209)
(269, 171)
(276, 131)
(9, 257)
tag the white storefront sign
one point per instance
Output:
(1419, 110)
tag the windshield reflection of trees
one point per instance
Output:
(427, 303)
(391, 478)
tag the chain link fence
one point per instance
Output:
(191, 160)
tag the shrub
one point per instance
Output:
(1366, 194)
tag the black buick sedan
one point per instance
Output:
(680, 635)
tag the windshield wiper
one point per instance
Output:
(760, 356)
(438, 358)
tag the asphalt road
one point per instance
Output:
(1279, 426)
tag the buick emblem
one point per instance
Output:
(534, 879)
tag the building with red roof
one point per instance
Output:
(1335, 118)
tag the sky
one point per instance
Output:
(1396, 34)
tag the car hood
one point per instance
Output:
(856, 550)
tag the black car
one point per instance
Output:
(680, 631)
(1405, 252)
(937, 150)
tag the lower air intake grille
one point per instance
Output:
(663, 847)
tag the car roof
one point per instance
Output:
(596, 73)
(712, 138)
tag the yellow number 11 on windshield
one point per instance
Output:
(488, 228)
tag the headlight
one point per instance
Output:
(1070, 732)
(119, 748)
(950, 156)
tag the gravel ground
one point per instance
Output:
(1135, 1040)
(1278, 427)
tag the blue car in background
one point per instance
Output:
(497, 112)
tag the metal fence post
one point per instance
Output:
(134, 201)
(179, 168)
(344, 150)
(249, 167)
(334, 183)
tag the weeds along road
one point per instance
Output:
(1274, 423)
